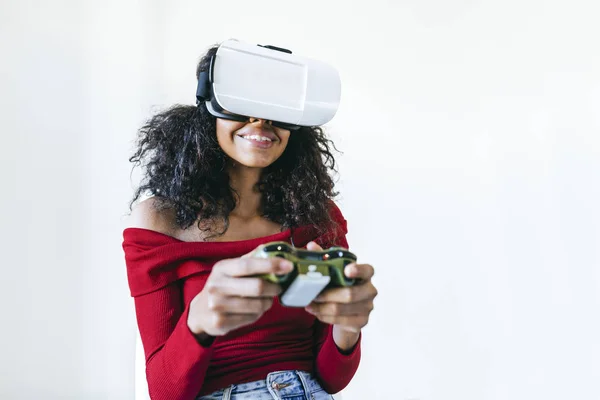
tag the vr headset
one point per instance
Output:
(270, 83)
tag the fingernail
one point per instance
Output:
(286, 266)
(348, 270)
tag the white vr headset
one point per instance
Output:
(270, 83)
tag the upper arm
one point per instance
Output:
(157, 315)
(146, 215)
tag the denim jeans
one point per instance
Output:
(281, 385)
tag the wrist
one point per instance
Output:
(192, 320)
(202, 337)
(345, 340)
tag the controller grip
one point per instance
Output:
(278, 279)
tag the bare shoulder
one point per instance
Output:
(147, 215)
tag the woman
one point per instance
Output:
(210, 328)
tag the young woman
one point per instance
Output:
(218, 190)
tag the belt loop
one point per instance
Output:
(227, 393)
(307, 392)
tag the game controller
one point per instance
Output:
(314, 271)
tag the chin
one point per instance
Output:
(254, 163)
(254, 159)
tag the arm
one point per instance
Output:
(334, 367)
(176, 362)
(338, 352)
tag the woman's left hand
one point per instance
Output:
(347, 308)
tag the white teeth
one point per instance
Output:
(258, 138)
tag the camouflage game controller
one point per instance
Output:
(314, 271)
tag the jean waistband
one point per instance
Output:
(288, 383)
(280, 381)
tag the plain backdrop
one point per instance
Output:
(469, 175)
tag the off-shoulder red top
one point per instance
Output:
(165, 274)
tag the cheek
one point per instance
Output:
(225, 130)
(284, 136)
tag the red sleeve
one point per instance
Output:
(176, 363)
(334, 369)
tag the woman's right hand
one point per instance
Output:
(233, 296)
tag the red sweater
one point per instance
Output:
(165, 274)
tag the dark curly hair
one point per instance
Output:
(186, 170)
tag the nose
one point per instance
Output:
(259, 120)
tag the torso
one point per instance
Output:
(282, 339)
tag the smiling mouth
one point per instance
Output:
(257, 138)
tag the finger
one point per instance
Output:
(359, 271)
(341, 309)
(313, 246)
(351, 294)
(251, 266)
(250, 254)
(238, 305)
(353, 323)
(243, 287)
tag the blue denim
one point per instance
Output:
(288, 385)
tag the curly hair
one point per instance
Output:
(186, 170)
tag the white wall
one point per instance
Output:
(42, 232)
(469, 178)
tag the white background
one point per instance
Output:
(469, 177)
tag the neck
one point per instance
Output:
(243, 179)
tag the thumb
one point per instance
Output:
(312, 246)
(253, 252)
